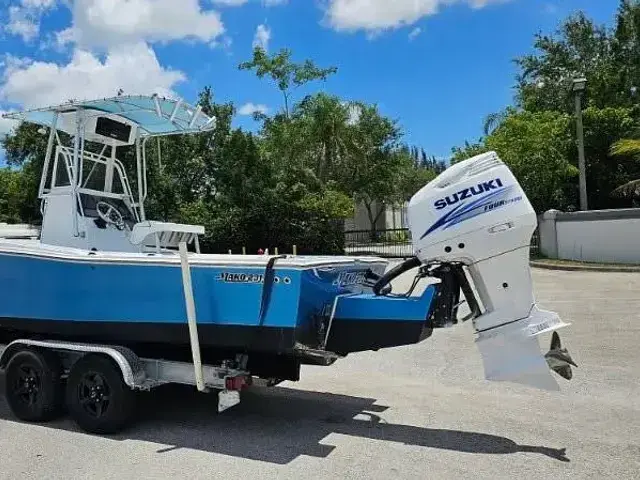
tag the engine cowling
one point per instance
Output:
(476, 214)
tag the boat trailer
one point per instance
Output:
(96, 374)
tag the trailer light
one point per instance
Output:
(235, 383)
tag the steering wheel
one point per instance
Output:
(110, 214)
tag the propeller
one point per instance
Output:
(558, 358)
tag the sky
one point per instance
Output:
(436, 66)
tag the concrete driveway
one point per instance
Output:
(421, 412)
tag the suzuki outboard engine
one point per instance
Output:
(476, 218)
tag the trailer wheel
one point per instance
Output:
(34, 389)
(98, 399)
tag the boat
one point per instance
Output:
(101, 272)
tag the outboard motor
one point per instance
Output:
(475, 218)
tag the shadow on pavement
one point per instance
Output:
(279, 424)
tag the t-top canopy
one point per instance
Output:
(153, 115)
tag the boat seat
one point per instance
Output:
(167, 235)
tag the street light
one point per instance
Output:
(579, 85)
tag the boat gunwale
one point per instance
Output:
(74, 255)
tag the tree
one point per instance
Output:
(628, 147)
(493, 120)
(25, 149)
(535, 146)
(284, 72)
(606, 172)
(375, 173)
(610, 61)
(324, 127)
(11, 195)
(468, 150)
(419, 170)
(607, 58)
(292, 183)
(423, 162)
(334, 147)
(520, 141)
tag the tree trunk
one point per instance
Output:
(286, 104)
(372, 220)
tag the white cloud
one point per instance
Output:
(229, 3)
(351, 15)
(39, 3)
(251, 108)
(224, 42)
(108, 23)
(11, 62)
(238, 3)
(6, 125)
(262, 37)
(135, 69)
(64, 37)
(24, 18)
(414, 33)
(22, 24)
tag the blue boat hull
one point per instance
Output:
(240, 309)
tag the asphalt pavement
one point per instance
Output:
(423, 411)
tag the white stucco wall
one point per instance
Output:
(391, 217)
(547, 237)
(611, 241)
(607, 236)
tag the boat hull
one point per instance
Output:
(134, 299)
(244, 304)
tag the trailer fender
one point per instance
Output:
(132, 370)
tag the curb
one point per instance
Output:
(584, 268)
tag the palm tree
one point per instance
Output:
(628, 147)
(492, 121)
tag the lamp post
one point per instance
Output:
(578, 87)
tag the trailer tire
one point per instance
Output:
(34, 389)
(97, 398)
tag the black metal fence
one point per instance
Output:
(395, 243)
(383, 243)
(535, 244)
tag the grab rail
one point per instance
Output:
(67, 154)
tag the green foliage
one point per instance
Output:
(25, 150)
(536, 148)
(468, 150)
(580, 48)
(348, 147)
(245, 194)
(606, 172)
(11, 196)
(626, 146)
(610, 61)
(607, 58)
(423, 162)
(397, 236)
(285, 73)
(293, 183)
